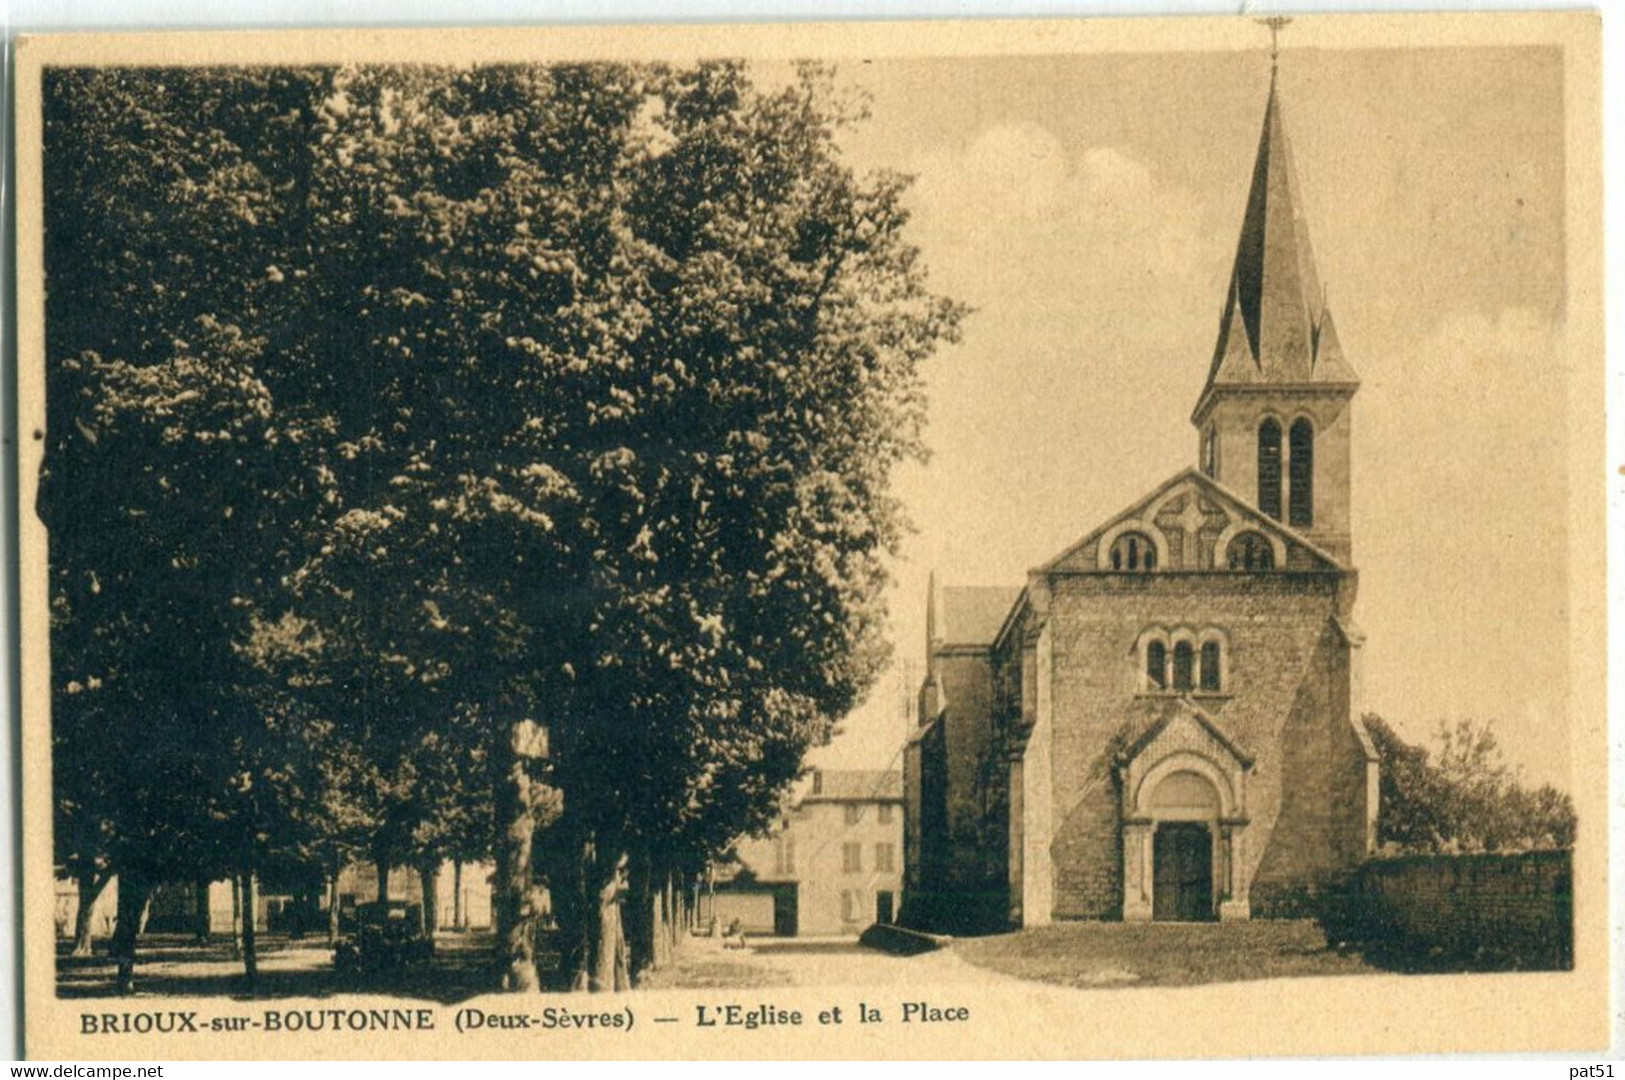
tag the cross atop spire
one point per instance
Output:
(1276, 23)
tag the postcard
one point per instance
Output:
(905, 540)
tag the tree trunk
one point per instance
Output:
(133, 891)
(200, 910)
(236, 918)
(91, 887)
(333, 909)
(641, 923)
(251, 959)
(567, 881)
(667, 942)
(458, 915)
(383, 881)
(587, 886)
(611, 964)
(515, 835)
(429, 879)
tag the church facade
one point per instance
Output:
(1161, 724)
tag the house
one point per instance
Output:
(1160, 723)
(833, 865)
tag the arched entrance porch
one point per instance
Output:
(1184, 823)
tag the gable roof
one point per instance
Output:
(1218, 493)
(1207, 720)
(973, 615)
(1276, 327)
(854, 785)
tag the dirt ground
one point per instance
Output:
(1070, 954)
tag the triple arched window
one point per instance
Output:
(1133, 551)
(1182, 661)
(1250, 551)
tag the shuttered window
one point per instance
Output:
(1301, 466)
(1269, 468)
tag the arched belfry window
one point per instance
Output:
(1184, 666)
(1156, 666)
(1250, 551)
(1301, 474)
(1210, 452)
(1210, 666)
(1134, 551)
(1269, 467)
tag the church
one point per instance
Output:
(1162, 723)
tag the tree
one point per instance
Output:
(1463, 796)
(553, 408)
(166, 478)
(671, 350)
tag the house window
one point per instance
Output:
(784, 855)
(883, 814)
(1269, 467)
(1156, 666)
(849, 906)
(853, 813)
(884, 858)
(1301, 474)
(1250, 551)
(1210, 666)
(851, 858)
(1133, 551)
(1184, 665)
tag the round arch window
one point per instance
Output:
(1134, 551)
(1250, 551)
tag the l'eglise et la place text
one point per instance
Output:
(767, 1015)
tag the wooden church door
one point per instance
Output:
(1182, 872)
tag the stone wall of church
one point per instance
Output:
(967, 686)
(959, 884)
(1285, 702)
(1321, 825)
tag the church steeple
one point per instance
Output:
(1273, 416)
(1276, 326)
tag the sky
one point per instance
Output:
(1088, 208)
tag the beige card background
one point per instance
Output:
(1369, 1015)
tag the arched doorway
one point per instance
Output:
(1184, 789)
(1185, 807)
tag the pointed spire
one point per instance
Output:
(1274, 308)
(931, 637)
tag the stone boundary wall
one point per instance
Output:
(1481, 912)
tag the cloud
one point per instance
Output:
(1017, 217)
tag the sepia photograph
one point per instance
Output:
(627, 540)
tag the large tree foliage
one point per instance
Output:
(1461, 796)
(475, 413)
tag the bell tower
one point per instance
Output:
(1273, 420)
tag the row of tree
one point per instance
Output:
(445, 463)
(1461, 796)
